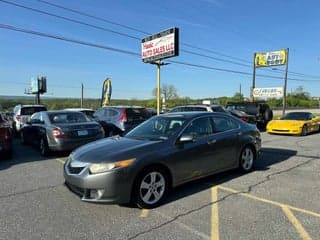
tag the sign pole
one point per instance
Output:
(253, 77)
(285, 84)
(158, 86)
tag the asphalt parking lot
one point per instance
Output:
(279, 200)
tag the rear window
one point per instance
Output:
(32, 110)
(69, 117)
(217, 109)
(1, 119)
(138, 113)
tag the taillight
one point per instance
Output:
(245, 119)
(123, 116)
(18, 117)
(58, 133)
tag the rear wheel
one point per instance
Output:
(151, 187)
(44, 148)
(247, 158)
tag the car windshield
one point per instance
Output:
(296, 116)
(68, 117)
(157, 128)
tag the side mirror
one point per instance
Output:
(186, 138)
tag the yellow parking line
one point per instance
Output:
(60, 160)
(214, 214)
(144, 213)
(269, 201)
(302, 232)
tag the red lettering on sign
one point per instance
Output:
(147, 45)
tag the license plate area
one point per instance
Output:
(82, 132)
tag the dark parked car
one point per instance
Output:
(5, 138)
(120, 119)
(60, 131)
(215, 108)
(261, 110)
(161, 153)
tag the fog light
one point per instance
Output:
(96, 193)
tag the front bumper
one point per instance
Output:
(294, 131)
(109, 187)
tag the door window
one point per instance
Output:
(199, 127)
(222, 124)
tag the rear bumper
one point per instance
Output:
(71, 144)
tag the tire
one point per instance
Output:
(247, 159)
(304, 130)
(150, 188)
(44, 148)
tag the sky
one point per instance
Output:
(222, 34)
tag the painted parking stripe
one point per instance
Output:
(302, 232)
(60, 160)
(144, 213)
(214, 214)
(269, 201)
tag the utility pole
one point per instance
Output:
(284, 103)
(240, 92)
(253, 78)
(81, 102)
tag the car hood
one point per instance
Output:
(113, 149)
(286, 123)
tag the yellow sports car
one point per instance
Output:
(297, 123)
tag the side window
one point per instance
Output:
(178, 109)
(199, 127)
(110, 112)
(222, 124)
(198, 109)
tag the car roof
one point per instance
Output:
(31, 105)
(123, 106)
(58, 111)
(193, 114)
(78, 109)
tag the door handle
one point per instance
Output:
(211, 142)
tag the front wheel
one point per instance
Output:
(304, 131)
(247, 159)
(151, 188)
(44, 148)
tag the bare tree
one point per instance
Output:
(167, 91)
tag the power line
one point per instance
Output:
(137, 30)
(13, 28)
(182, 43)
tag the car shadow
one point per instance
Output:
(268, 157)
(26, 153)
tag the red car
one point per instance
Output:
(5, 138)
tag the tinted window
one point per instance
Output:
(199, 127)
(31, 110)
(297, 116)
(217, 109)
(137, 113)
(108, 112)
(177, 109)
(222, 124)
(1, 119)
(196, 109)
(70, 117)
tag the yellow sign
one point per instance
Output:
(268, 59)
(106, 92)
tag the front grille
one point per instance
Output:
(280, 130)
(75, 170)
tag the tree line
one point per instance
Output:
(296, 99)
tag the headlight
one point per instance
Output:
(104, 167)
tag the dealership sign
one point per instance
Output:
(161, 45)
(268, 59)
(273, 92)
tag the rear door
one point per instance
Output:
(135, 116)
(223, 145)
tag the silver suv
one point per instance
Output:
(22, 114)
(120, 119)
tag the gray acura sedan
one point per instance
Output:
(161, 153)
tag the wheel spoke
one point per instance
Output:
(147, 196)
(145, 185)
(153, 177)
(160, 183)
(157, 195)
